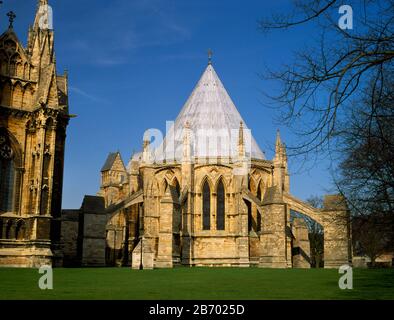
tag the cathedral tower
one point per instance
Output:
(33, 120)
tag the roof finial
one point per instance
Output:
(278, 139)
(11, 17)
(210, 53)
(241, 140)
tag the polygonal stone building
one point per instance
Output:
(206, 196)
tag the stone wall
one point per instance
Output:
(301, 244)
(25, 254)
(83, 234)
(273, 236)
(93, 221)
(69, 237)
(337, 244)
(219, 250)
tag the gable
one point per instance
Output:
(14, 61)
(113, 162)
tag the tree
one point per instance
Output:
(339, 97)
(373, 236)
(316, 234)
(345, 65)
(366, 175)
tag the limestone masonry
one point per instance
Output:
(190, 201)
(33, 121)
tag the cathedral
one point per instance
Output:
(207, 196)
(203, 195)
(33, 120)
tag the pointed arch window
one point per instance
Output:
(177, 187)
(9, 230)
(220, 207)
(260, 196)
(206, 206)
(6, 94)
(250, 217)
(7, 175)
(252, 189)
(177, 217)
(20, 230)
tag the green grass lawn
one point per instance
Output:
(196, 283)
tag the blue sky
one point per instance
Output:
(133, 63)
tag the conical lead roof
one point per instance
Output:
(210, 114)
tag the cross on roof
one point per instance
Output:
(11, 17)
